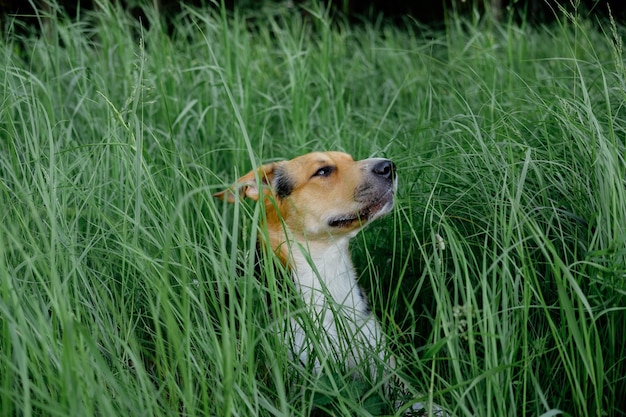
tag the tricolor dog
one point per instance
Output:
(314, 205)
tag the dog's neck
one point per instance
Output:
(322, 271)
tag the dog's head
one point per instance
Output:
(320, 193)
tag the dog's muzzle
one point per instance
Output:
(374, 196)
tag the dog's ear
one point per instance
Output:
(247, 185)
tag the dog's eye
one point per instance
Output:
(323, 172)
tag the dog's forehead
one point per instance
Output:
(320, 158)
(292, 174)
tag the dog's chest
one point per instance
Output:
(343, 322)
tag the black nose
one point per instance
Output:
(385, 169)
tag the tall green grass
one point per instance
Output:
(126, 289)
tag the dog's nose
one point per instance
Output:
(385, 169)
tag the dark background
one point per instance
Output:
(429, 12)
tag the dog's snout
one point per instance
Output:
(385, 169)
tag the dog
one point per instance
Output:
(314, 204)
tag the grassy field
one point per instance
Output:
(127, 290)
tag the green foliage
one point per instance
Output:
(126, 289)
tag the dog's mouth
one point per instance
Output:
(369, 212)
